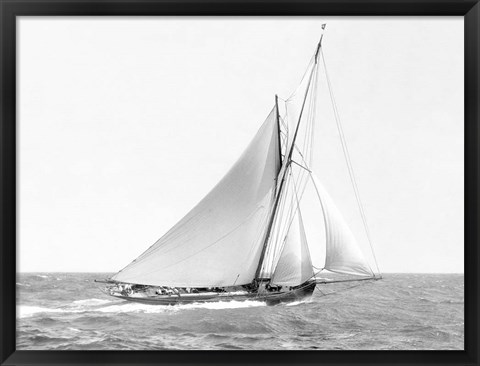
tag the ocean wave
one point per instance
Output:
(383, 315)
(42, 276)
(41, 338)
(23, 284)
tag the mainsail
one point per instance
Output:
(218, 243)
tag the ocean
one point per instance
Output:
(67, 311)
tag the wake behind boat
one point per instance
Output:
(246, 239)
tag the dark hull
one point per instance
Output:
(271, 298)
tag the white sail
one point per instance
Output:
(294, 266)
(218, 243)
(342, 252)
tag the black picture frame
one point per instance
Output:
(10, 9)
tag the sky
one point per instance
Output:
(124, 124)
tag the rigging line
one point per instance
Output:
(291, 217)
(311, 116)
(266, 219)
(301, 155)
(310, 147)
(282, 120)
(289, 152)
(303, 159)
(302, 227)
(304, 182)
(270, 248)
(302, 176)
(295, 207)
(309, 126)
(348, 161)
(311, 63)
(312, 131)
(308, 142)
(301, 166)
(303, 179)
(285, 220)
(287, 159)
(287, 130)
(315, 273)
(288, 220)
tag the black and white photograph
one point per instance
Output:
(240, 183)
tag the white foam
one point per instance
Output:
(136, 308)
(87, 302)
(296, 303)
(42, 276)
(79, 306)
(25, 311)
(152, 309)
(224, 305)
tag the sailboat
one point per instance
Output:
(246, 239)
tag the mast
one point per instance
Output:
(287, 160)
(278, 127)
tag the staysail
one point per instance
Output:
(343, 254)
(218, 243)
(294, 266)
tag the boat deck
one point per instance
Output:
(271, 298)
